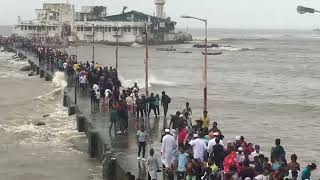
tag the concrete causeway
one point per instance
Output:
(118, 153)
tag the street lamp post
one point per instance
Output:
(93, 44)
(117, 48)
(205, 78)
(93, 55)
(146, 61)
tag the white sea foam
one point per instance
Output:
(59, 80)
(136, 45)
(153, 81)
(59, 128)
(6, 55)
(223, 48)
(59, 83)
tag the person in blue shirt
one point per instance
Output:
(182, 158)
(141, 140)
(306, 173)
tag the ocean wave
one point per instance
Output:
(59, 127)
(245, 39)
(4, 55)
(136, 45)
(153, 81)
(59, 80)
(13, 74)
(59, 83)
(230, 48)
(221, 47)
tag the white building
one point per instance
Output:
(59, 20)
(127, 27)
(53, 21)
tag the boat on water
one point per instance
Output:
(201, 45)
(184, 52)
(212, 53)
(166, 49)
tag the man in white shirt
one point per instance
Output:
(65, 64)
(98, 95)
(198, 146)
(82, 81)
(129, 101)
(240, 155)
(167, 148)
(95, 87)
(108, 94)
(255, 153)
(212, 142)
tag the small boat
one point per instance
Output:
(166, 49)
(201, 45)
(212, 53)
(184, 52)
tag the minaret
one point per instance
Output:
(160, 8)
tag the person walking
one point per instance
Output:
(123, 117)
(167, 148)
(114, 115)
(141, 140)
(139, 108)
(157, 104)
(165, 101)
(152, 166)
(152, 105)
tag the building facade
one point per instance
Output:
(61, 22)
(54, 20)
(127, 28)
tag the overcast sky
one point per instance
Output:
(261, 14)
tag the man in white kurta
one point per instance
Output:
(212, 142)
(199, 147)
(167, 148)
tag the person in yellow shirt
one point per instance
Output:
(75, 67)
(205, 120)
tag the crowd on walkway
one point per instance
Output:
(189, 151)
(199, 152)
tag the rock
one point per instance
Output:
(40, 124)
(26, 68)
(31, 74)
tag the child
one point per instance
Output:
(182, 158)
(152, 166)
(141, 139)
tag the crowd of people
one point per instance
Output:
(188, 151)
(102, 83)
(198, 152)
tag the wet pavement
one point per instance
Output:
(124, 146)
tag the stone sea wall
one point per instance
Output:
(98, 147)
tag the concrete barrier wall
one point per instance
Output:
(97, 147)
